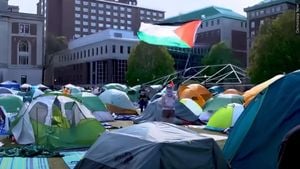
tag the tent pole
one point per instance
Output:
(187, 62)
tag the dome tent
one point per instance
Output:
(11, 103)
(153, 145)
(56, 122)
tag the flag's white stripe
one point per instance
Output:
(157, 30)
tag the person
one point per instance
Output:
(168, 104)
(143, 99)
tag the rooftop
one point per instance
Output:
(266, 3)
(207, 13)
(101, 36)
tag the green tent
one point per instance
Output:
(221, 100)
(56, 122)
(117, 86)
(91, 101)
(11, 103)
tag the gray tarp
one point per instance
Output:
(153, 145)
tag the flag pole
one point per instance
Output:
(187, 62)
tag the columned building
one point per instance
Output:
(95, 59)
(258, 14)
(21, 45)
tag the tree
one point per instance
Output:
(218, 54)
(53, 45)
(275, 49)
(148, 62)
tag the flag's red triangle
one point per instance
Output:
(187, 32)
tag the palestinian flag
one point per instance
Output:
(176, 36)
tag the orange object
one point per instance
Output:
(196, 92)
(232, 91)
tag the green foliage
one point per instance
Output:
(55, 44)
(219, 54)
(148, 62)
(275, 49)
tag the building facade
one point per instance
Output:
(95, 59)
(21, 45)
(218, 25)
(258, 14)
(78, 18)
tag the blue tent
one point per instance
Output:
(10, 85)
(255, 140)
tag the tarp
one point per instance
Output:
(153, 145)
(255, 140)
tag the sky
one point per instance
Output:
(171, 7)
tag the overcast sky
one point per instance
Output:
(171, 7)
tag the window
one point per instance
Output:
(107, 6)
(206, 23)
(122, 27)
(23, 52)
(212, 23)
(100, 25)
(108, 12)
(85, 10)
(128, 28)
(122, 15)
(116, 20)
(77, 8)
(93, 23)
(148, 13)
(77, 1)
(122, 8)
(160, 14)
(115, 7)
(93, 4)
(142, 12)
(128, 49)
(108, 19)
(100, 18)
(105, 48)
(85, 23)
(218, 21)
(129, 9)
(24, 28)
(129, 22)
(252, 24)
(85, 30)
(115, 26)
(85, 3)
(93, 30)
(122, 21)
(121, 49)
(107, 25)
(77, 29)
(113, 48)
(101, 12)
(252, 33)
(85, 16)
(128, 16)
(93, 10)
(154, 14)
(77, 22)
(77, 15)
(93, 17)
(261, 12)
(261, 22)
(242, 24)
(100, 5)
(115, 14)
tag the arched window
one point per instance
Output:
(24, 52)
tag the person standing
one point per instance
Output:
(168, 104)
(143, 99)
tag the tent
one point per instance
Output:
(196, 92)
(56, 122)
(255, 140)
(225, 117)
(216, 90)
(11, 103)
(10, 85)
(4, 90)
(251, 93)
(186, 111)
(153, 145)
(117, 102)
(232, 91)
(221, 100)
(95, 105)
(116, 86)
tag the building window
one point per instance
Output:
(100, 18)
(105, 48)
(85, 3)
(218, 21)
(93, 24)
(107, 6)
(115, 26)
(77, 1)
(85, 23)
(206, 23)
(93, 17)
(122, 15)
(23, 52)
(261, 22)
(128, 49)
(108, 26)
(154, 14)
(100, 5)
(252, 24)
(100, 25)
(77, 15)
(129, 22)
(77, 29)
(212, 23)
(85, 10)
(160, 14)
(85, 30)
(122, 21)
(121, 49)
(148, 13)
(77, 8)
(113, 48)
(85, 16)
(129, 9)
(24, 28)
(115, 7)
(142, 12)
(108, 12)
(108, 19)
(101, 12)
(93, 4)
(77, 22)
(115, 14)
(242, 24)
(116, 20)
(128, 16)
(93, 10)
(122, 8)
(252, 33)
(93, 30)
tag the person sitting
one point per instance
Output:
(168, 104)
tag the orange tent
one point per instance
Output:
(232, 91)
(251, 93)
(196, 92)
